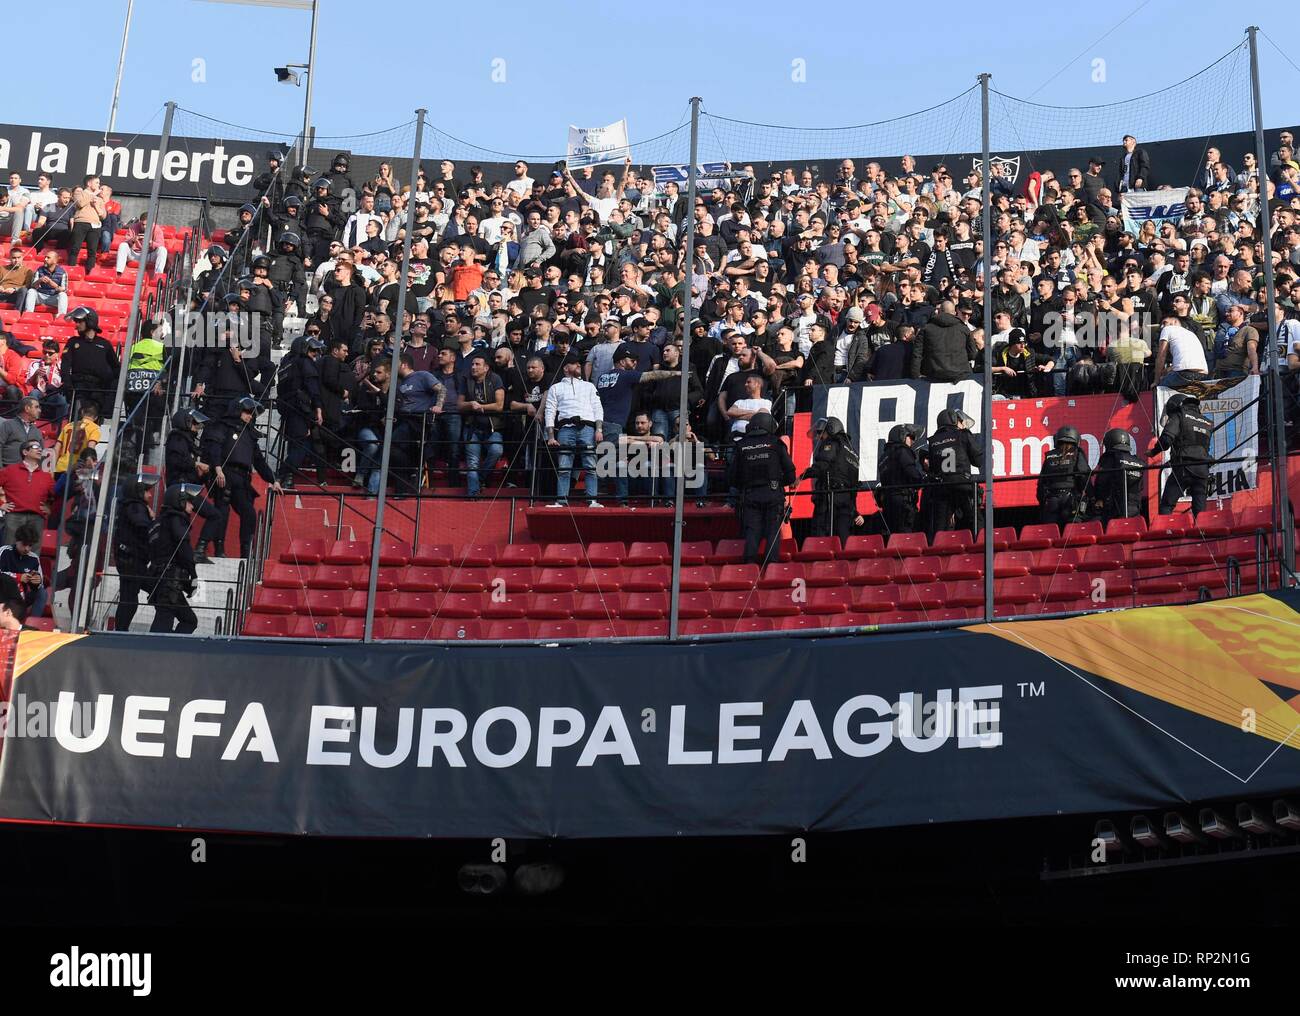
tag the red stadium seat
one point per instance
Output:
(644, 606)
(703, 626)
(606, 554)
(1004, 538)
(1217, 523)
(326, 627)
(804, 621)
(470, 580)
(696, 552)
(751, 624)
(695, 606)
(323, 602)
(1115, 586)
(1054, 561)
(276, 601)
(1024, 589)
(1169, 527)
(513, 580)
(507, 608)
(1158, 582)
(869, 572)
(600, 580)
(347, 552)
(740, 603)
(557, 630)
(393, 554)
(519, 555)
(819, 548)
(829, 573)
(1124, 530)
(737, 576)
(828, 600)
(507, 631)
(276, 576)
(355, 602)
(1066, 587)
(775, 603)
(918, 569)
(477, 555)
(597, 606)
(906, 545)
(728, 552)
(455, 630)
(457, 605)
(550, 606)
(563, 555)
(1151, 556)
(556, 580)
(1082, 534)
(963, 566)
(419, 579)
(896, 617)
(404, 629)
(1193, 555)
(966, 593)
(922, 596)
(330, 576)
(952, 541)
(604, 629)
(643, 629)
(853, 619)
(432, 555)
(647, 580)
(1103, 557)
(695, 578)
(1039, 537)
(782, 576)
(856, 547)
(644, 553)
(303, 551)
(413, 605)
(1249, 521)
(266, 625)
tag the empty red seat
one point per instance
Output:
(852, 619)
(694, 605)
(856, 547)
(1158, 582)
(918, 569)
(604, 629)
(828, 573)
(1169, 527)
(703, 626)
(266, 625)
(1038, 537)
(276, 601)
(597, 605)
(774, 603)
(1103, 557)
(751, 624)
(330, 576)
(695, 578)
(455, 630)
(347, 552)
(952, 541)
(276, 576)
(323, 602)
(419, 579)
(966, 593)
(872, 572)
(1241, 548)
(828, 600)
(696, 552)
(393, 554)
(647, 580)
(456, 605)
(507, 631)
(737, 576)
(1250, 521)
(1053, 561)
(921, 596)
(1115, 586)
(414, 629)
(645, 606)
(432, 555)
(550, 606)
(819, 548)
(1081, 534)
(303, 551)
(1213, 579)
(1022, 589)
(728, 552)
(963, 566)
(513, 580)
(738, 603)
(600, 580)
(1004, 538)
(470, 580)
(782, 576)
(1216, 523)
(606, 554)
(557, 630)
(413, 605)
(645, 629)
(355, 602)
(503, 608)
(519, 555)
(804, 621)
(327, 628)
(562, 555)
(1066, 587)
(477, 555)
(643, 553)
(875, 599)
(906, 545)
(556, 580)
(1151, 556)
(1192, 555)
(1124, 530)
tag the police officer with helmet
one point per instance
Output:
(233, 448)
(835, 472)
(171, 561)
(1063, 478)
(1186, 434)
(1117, 481)
(949, 499)
(901, 476)
(131, 528)
(181, 452)
(761, 469)
(287, 273)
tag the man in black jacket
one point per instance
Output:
(901, 476)
(761, 469)
(949, 502)
(299, 394)
(171, 562)
(89, 365)
(336, 383)
(944, 348)
(835, 471)
(1134, 171)
(350, 300)
(1063, 478)
(1187, 433)
(323, 219)
(1117, 482)
(233, 447)
(182, 449)
(131, 550)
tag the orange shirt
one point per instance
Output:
(465, 279)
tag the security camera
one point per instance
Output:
(286, 76)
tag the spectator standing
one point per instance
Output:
(25, 491)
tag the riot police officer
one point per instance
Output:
(171, 561)
(1063, 478)
(1117, 482)
(240, 238)
(266, 300)
(323, 218)
(287, 274)
(341, 184)
(299, 184)
(89, 365)
(233, 448)
(270, 184)
(131, 550)
(301, 410)
(835, 473)
(761, 469)
(1186, 433)
(949, 500)
(901, 476)
(211, 285)
(182, 449)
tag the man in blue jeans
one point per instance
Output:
(480, 407)
(572, 416)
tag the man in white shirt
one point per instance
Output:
(355, 231)
(1183, 349)
(740, 411)
(522, 184)
(573, 418)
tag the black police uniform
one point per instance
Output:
(761, 469)
(290, 280)
(901, 476)
(181, 455)
(323, 218)
(949, 502)
(835, 473)
(212, 285)
(1187, 432)
(268, 304)
(1117, 485)
(171, 563)
(224, 379)
(89, 367)
(235, 447)
(239, 238)
(1061, 483)
(131, 552)
(299, 396)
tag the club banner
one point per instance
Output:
(595, 146)
(1158, 206)
(1125, 710)
(708, 175)
(1022, 428)
(1233, 409)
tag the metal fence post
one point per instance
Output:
(987, 221)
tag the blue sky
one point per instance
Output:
(866, 64)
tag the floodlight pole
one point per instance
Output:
(311, 79)
(987, 221)
(121, 64)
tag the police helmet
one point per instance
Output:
(913, 430)
(1179, 402)
(292, 201)
(245, 283)
(1070, 434)
(261, 261)
(313, 344)
(292, 239)
(897, 433)
(217, 251)
(1118, 438)
(85, 315)
(234, 298)
(304, 172)
(274, 155)
(184, 419)
(342, 159)
(946, 419)
(178, 493)
(958, 417)
(762, 423)
(248, 404)
(246, 207)
(321, 181)
(830, 426)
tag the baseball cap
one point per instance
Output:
(624, 351)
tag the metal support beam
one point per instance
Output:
(987, 411)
